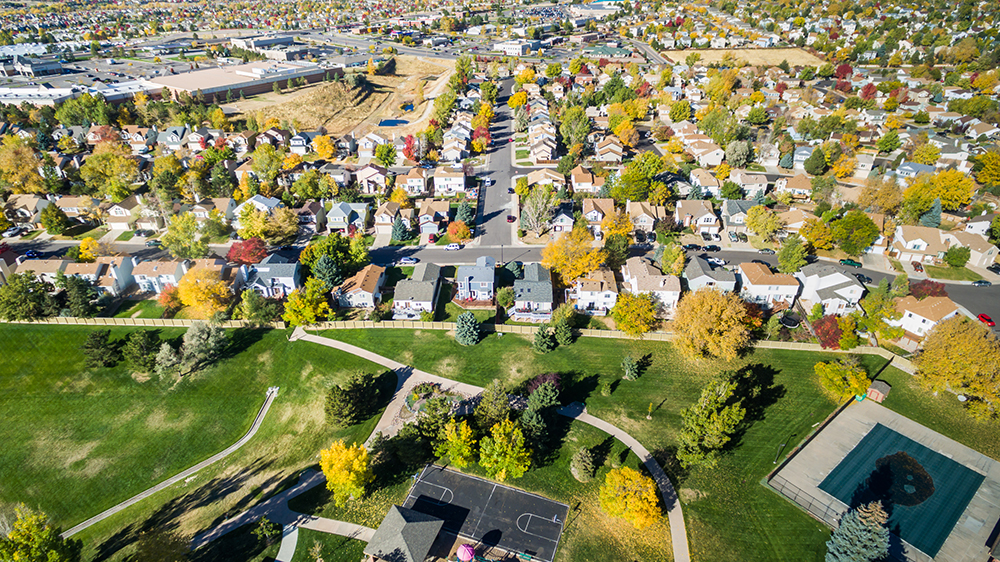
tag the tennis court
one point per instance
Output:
(924, 491)
(490, 513)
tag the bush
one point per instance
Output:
(957, 256)
(816, 313)
(828, 332)
(606, 388)
(582, 465)
(426, 316)
(505, 297)
(927, 288)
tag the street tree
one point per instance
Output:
(183, 239)
(457, 444)
(631, 495)
(346, 470)
(792, 255)
(536, 210)
(247, 252)
(386, 154)
(818, 234)
(503, 453)
(708, 425)
(709, 322)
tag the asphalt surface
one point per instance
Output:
(495, 201)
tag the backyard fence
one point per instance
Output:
(487, 328)
(140, 322)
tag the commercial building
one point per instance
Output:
(251, 78)
(517, 48)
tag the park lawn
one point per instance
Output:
(768, 528)
(334, 548)
(148, 308)
(79, 440)
(952, 273)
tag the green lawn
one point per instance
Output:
(146, 309)
(125, 236)
(447, 311)
(520, 154)
(32, 235)
(411, 242)
(443, 240)
(333, 548)
(952, 273)
(78, 440)
(394, 274)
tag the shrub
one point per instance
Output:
(927, 288)
(828, 332)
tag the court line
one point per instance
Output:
(475, 531)
(527, 532)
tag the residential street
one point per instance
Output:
(496, 203)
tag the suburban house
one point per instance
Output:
(432, 215)
(312, 213)
(533, 294)
(562, 219)
(372, 179)
(114, 276)
(918, 243)
(800, 155)
(584, 181)
(347, 218)
(920, 316)
(385, 216)
(226, 207)
(751, 184)
(263, 204)
(475, 282)
(699, 274)
(595, 293)
(799, 186)
(698, 215)
(545, 176)
(609, 149)
(639, 276)
(707, 153)
(773, 290)
(122, 215)
(448, 182)
(155, 276)
(830, 286)
(363, 289)
(414, 182)
(980, 224)
(594, 210)
(273, 277)
(734, 214)
(704, 180)
(366, 146)
(79, 208)
(793, 219)
(644, 215)
(25, 209)
(43, 270)
(981, 252)
(417, 294)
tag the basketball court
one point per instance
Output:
(489, 513)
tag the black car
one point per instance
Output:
(994, 267)
(863, 278)
(153, 243)
(706, 237)
(692, 247)
(981, 283)
(712, 248)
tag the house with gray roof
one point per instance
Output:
(417, 294)
(274, 277)
(533, 294)
(699, 273)
(343, 216)
(405, 535)
(475, 282)
(734, 214)
(831, 286)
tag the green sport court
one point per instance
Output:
(924, 491)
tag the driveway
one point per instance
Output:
(381, 240)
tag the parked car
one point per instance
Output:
(716, 261)
(982, 283)
(511, 218)
(408, 261)
(453, 246)
(706, 237)
(12, 231)
(985, 319)
(510, 190)
(766, 251)
(733, 237)
(712, 248)
(32, 254)
(692, 247)
(153, 243)
(432, 238)
(761, 262)
(743, 237)
(863, 278)
(917, 266)
(994, 267)
(850, 263)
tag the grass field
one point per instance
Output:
(952, 273)
(79, 440)
(766, 527)
(140, 309)
(125, 236)
(332, 547)
(753, 57)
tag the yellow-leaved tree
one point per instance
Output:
(19, 166)
(346, 470)
(953, 187)
(324, 146)
(307, 305)
(709, 322)
(617, 224)
(631, 495)
(400, 196)
(89, 248)
(963, 355)
(635, 314)
(458, 443)
(503, 453)
(842, 379)
(203, 290)
(572, 255)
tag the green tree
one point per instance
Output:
(80, 297)
(400, 231)
(792, 255)
(353, 401)
(32, 538)
(493, 407)
(385, 153)
(505, 297)
(544, 341)
(574, 126)
(202, 343)
(98, 349)
(816, 163)
(957, 256)
(503, 453)
(889, 142)
(731, 190)
(680, 111)
(467, 329)
(855, 232)
(709, 424)
(256, 310)
(457, 444)
(932, 218)
(183, 238)
(757, 116)
(327, 271)
(24, 297)
(861, 535)
(307, 305)
(54, 220)
(140, 350)
(465, 213)
(582, 465)
(563, 332)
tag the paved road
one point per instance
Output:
(497, 203)
(271, 394)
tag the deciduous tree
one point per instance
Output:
(247, 252)
(457, 444)
(110, 170)
(346, 470)
(503, 453)
(842, 379)
(203, 290)
(256, 310)
(536, 210)
(24, 297)
(953, 187)
(963, 355)
(855, 232)
(631, 495)
(183, 239)
(572, 255)
(19, 166)
(763, 221)
(710, 322)
(458, 231)
(32, 538)
(635, 314)
(307, 305)
(881, 195)
(792, 255)
(54, 220)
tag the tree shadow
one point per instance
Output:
(240, 340)
(238, 544)
(602, 450)
(577, 387)
(756, 389)
(667, 458)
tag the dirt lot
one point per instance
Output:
(341, 110)
(753, 57)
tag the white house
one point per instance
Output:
(920, 316)
(838, 291)
(417, 294)
(274, 277)
(595, 293)
(533, 294)
(363, 290)
(595, 209)
(448, 182)
(698, 215)
(980, 224)
(639, 276)
(710, 186)
(752, 184)
(154, 276)
(773, 290)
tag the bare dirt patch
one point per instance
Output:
(140, 377)
(447, 367)
(753, 57)
(689, 495)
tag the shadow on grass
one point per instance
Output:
(755, 387)
(238, 544)
(667, 458)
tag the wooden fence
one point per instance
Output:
(139, 322)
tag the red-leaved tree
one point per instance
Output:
(868, 92)
(927, 288)
(843, 71)
(780, 88)
(828, 331)
(170, 298)
(410, 148)
(247, 252)
(843, 86)
(482, 133)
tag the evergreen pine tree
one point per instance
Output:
(399, 230)
(464, 213)
(515, 268)
(327, 271)
(695, 193)
(140, 350)
(932, 218)
(787, 161)
(861, 535)
(582, 465)
(467, 329)
(544, 340)
(563, 332)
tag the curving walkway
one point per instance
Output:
(408, 377)
(271, 394)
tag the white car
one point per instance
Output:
(453, 246)
(716, 261)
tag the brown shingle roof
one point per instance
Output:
(931, 308)
(365, 280)
(759, 274)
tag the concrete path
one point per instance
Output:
(678, 532)
(271, 394)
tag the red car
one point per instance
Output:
(987, 320)
(510, 218)
(917, 266)
(432, 238)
